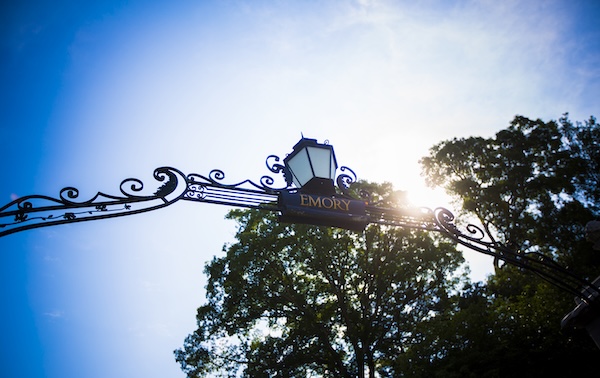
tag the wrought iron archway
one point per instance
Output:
(35, 211)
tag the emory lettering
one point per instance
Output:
(325, 202)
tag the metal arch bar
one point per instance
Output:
(239, 197)
(37, 211)
(479, 239)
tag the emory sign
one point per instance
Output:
(323, 210)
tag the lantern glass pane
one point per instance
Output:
(333, 167)
(300, 167)
(321, 161)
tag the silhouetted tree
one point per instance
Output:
(287, 300)
(537, 183)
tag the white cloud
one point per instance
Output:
(55, 314)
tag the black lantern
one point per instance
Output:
(311, 167)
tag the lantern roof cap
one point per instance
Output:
(308, 142)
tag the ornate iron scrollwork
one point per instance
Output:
(36, 211)
(480, 239)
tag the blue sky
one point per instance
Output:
(94, 93)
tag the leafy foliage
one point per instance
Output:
(296, 300)
(538, 184)
(531, 172)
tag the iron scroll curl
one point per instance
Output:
(480, 239)
(35, 211)
(345, 180)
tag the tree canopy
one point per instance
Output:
(291, 300)
(536, 183)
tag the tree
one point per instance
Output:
(533, 177)
(291, 300)
(536, 185)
